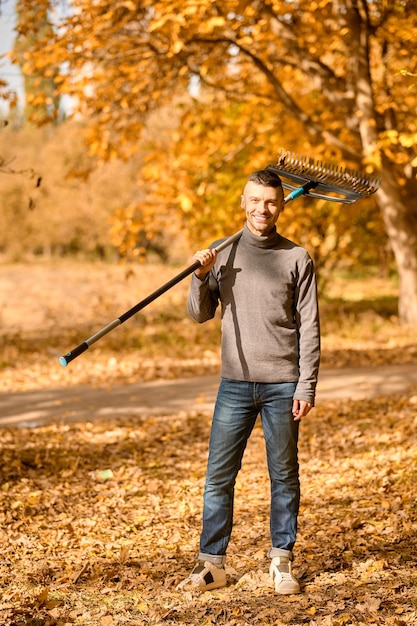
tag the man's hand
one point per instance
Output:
(207, 259)
(300, 408)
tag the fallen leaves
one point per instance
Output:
(100, 521)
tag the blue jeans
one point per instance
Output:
(237, 407)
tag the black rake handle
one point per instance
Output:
(82, 347)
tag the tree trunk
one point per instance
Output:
(397, 209)
(401, 224)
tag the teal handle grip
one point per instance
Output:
(295, 194)
(70, 356)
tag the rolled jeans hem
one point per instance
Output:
(273, 552)
(217, 559)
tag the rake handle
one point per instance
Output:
(82, 347)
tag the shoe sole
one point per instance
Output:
(287, 591)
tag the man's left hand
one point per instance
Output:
(300, 408)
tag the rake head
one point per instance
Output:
(323, 179)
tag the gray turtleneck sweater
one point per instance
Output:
(269, 310)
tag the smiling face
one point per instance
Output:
(262, 205)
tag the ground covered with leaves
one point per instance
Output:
(100, 521)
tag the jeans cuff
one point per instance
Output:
(217, 559)
(279, 552)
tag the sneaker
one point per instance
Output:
(280, 571)
(205, 576)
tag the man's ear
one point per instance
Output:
(242, 201)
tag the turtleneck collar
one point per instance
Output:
(267, 241)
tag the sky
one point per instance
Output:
(9, 72)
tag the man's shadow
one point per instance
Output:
(229, 272)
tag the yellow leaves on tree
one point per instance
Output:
(320, 77)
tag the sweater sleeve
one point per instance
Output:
(308, 324)
(203, 298)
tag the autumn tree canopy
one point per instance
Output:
(332, 79)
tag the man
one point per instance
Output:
(270, 358)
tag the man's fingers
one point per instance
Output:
(300, 409)
(205, 257)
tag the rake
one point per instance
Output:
(312, 178)
(349, 185)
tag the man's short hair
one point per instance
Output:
(266, 177)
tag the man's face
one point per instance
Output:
(262, 206)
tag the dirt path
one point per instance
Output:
(163, 397)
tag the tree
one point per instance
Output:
(334, 76)
(42, 99)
